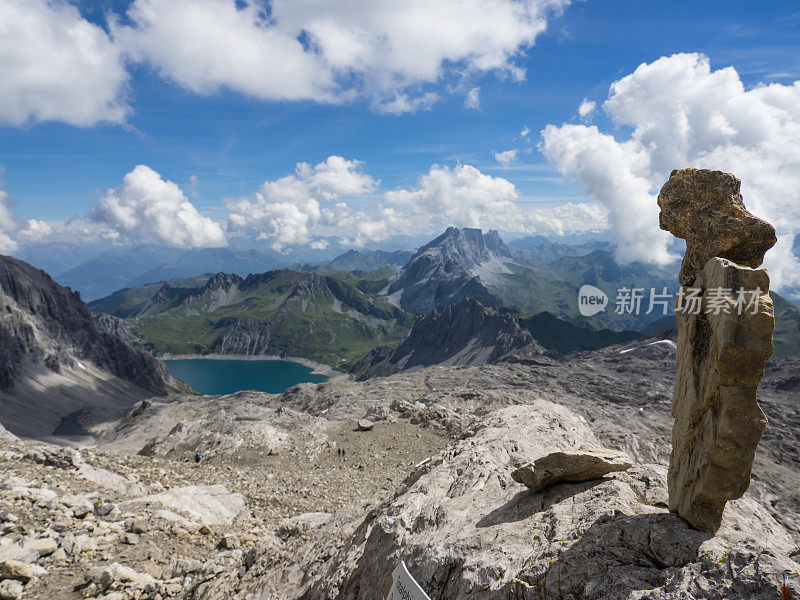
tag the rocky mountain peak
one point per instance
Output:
(464, 248)
(447, 270)
(223, 281)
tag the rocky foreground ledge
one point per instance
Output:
(275, 510)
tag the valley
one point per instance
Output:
(352, 312)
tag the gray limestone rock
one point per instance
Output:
(571, 467)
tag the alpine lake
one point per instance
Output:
(217, 377)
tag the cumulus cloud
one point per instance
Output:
(147, 208)
(682, 113)
(289, 210)
(36, 230)
(322, 201)
(57, 66)
(332, 51)
(473, 99)
(204, 46)
(465, 197)
(8, 224)
(586, 108)
(506, 157)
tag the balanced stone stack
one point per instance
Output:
(725, 324)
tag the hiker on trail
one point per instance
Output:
(197, 458)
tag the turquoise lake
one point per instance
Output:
(217, 377)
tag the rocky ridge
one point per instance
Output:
(465, 333)
(55, 358)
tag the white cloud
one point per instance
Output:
(402, 104)
(8, 224)
(288, 211)
(57, 66)
(586, 108)
(380, 49)
(681, 113)
(465, 197)
(35, 230)
(204, 46)
(147, 208)
(320, 202)
(473, 99)
(506, 157)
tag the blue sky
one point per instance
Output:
(223, 143)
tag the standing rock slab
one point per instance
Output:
(706, 209)
(718, 422)
(569, 466)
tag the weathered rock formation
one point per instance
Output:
(705, 208)
(725, 325)
(571, 466)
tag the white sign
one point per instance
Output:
(591, 300)
(400, 585)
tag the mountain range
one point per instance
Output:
(333, 319)
(338, 311)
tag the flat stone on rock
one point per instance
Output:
(364, 425)
(570, 466)
(211, 504)
(718, 422)
(705, 208)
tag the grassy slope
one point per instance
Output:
(322, 317)
(126, 302)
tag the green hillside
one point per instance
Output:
(327, 318)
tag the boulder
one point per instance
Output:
(105, 576)
(42, 546)
(706, 209)
(113, 481)
(180, 567)
(62, 458)
(78, 544)
(570, 466)
(364, 425)
(718, 422)
(15, 569)
(10, 550)
(302, 524)
(11, 589)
